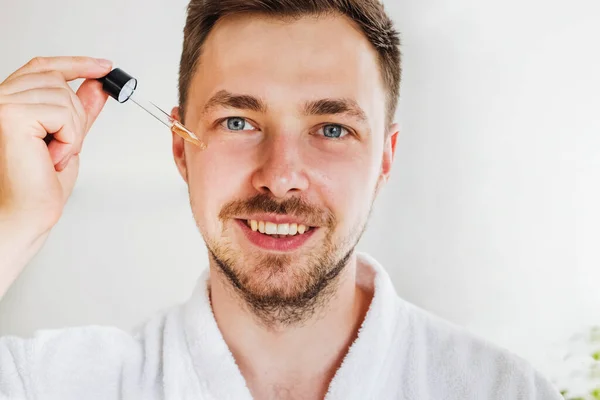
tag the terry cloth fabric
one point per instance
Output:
(401, 352)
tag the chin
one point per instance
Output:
(282, 288)
(270, 276)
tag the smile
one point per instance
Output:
(277, 230)
(268, 235)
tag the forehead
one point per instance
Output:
(289, 60)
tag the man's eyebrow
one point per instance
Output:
(226, 99)
(335, 106)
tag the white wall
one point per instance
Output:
(491, 219)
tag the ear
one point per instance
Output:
(179, 148)
(389, 153)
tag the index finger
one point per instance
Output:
(70, 67)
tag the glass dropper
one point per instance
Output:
(122, 87)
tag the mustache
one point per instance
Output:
(294, 206)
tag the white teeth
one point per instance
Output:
(270, 228)
(293, 229)
(283, 229)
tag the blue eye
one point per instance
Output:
(238, 124)
(334, 131)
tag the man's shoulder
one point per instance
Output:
(473, 367)
(89, 341)
(74, 346)
(73, 361)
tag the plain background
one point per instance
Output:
(491, 219)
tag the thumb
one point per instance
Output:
(93, 99)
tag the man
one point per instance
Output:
(295, 99)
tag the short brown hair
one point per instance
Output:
(369, 15)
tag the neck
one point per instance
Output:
(279, 356)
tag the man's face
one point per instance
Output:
(294, 116)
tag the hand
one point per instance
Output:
(36, 179)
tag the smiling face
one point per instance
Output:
(294, 116)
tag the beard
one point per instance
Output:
(283, 289)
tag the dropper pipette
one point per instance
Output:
(122, 87)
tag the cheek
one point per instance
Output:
(216, 176)
(346, 183)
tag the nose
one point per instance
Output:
(280, 172)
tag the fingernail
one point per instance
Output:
(104, 63)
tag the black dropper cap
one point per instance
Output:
(119, 85)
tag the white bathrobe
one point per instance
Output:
(401, 352)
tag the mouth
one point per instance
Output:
(277, 230)
(272, 236)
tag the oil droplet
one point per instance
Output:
(187, 135)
